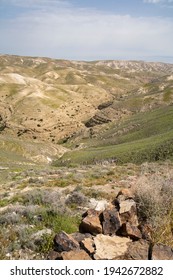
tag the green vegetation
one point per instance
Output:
(144, 137)
(141, 126)
(150, 149)
(167, 94)
(33, 219)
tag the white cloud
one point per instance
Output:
(33, 2)
(166, 2)
(65, 32)
(37, 4)
(153, 1)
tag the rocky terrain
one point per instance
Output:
(112, 232)
(38, 204)
(72, 136)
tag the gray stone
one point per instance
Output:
(78, 236)
(64, 242)
(111, 222)
(39, 234)
(162, 252)
(137, 250)
(98, 205)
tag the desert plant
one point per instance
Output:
(76, 199)
(154, 197)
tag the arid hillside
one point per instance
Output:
(59, 101)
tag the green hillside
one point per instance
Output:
(143, 137)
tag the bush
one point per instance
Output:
(76, 198)
(154, 197)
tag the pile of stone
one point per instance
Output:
(111, 233)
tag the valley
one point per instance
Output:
(72, 135)
(67, 105)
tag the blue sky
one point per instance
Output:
(88, 29)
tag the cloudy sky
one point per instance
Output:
(88, 29)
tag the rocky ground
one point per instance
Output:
(112, 232)
(37, 204)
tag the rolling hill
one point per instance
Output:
(84, 111)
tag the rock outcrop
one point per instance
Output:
(97, 120)
(111, 234)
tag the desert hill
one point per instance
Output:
(59, 101)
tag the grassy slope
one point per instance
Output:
(147, 137)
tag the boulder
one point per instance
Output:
(110, 247)
(131, 231)
(137, 250)
(109, 234)
(75, 255)
(88, 245)
(91, 222)
(64, 242)
(111, 222)
(128, 212)
(162, 252)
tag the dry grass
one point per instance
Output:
(154, 196)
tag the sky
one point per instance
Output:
(88, 29)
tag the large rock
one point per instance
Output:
(137, 250)
(64, 242)
(131, 231)
(75, 255)
(88, 245)
(110, 247)
(128, 212)
(91, 222)
(162, 252)
(111, 222)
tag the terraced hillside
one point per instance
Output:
(49, 107)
